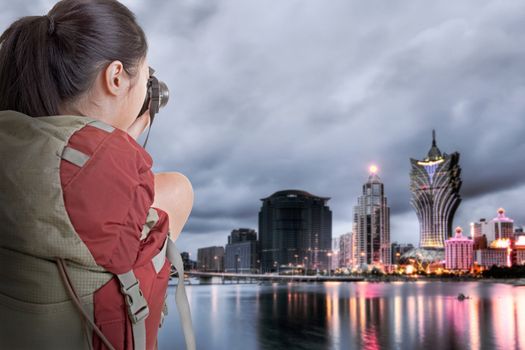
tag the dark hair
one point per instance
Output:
(46, 61)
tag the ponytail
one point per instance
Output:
(47, 61)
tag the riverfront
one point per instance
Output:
(358, 315)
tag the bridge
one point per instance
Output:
(255, 278)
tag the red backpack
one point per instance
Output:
(79, 226)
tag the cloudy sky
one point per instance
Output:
(271, 95)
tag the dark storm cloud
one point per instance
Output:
(269, 95)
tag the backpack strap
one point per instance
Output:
(78, 303)
(138, 308)
(181, 298)
(74, 156)
(78, 158)
(159, 259)
(102, 126)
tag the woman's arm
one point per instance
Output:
(174, 195)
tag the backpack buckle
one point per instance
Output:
(137, 305)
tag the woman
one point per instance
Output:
(79, 205)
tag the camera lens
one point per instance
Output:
(164, 94)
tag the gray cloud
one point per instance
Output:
(306, 95)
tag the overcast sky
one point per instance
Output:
(272, 95)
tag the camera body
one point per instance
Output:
(157, 95)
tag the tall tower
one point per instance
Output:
(372, 223)
(295, 227)
(434, 183)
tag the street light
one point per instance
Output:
(216, 258)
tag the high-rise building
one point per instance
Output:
(210, 259)
(295, 227)
(372, 223)
(346, 251)
(434, 183)
(501, 226)
(335, 257)
(459, 252)
(242, 252)
(498, 228)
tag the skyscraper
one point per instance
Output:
(372, 223)
(498, 228)
(501, 226)
(434, 183)
(346, 251)
(295, 227)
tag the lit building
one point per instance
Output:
(479, 228)
(295, 227)
(498, 253)
(397, 250)
(459, 252)
(241, 254)
(210, 259)
(498, 228)
(489, 257)
(334, 260)
(501, 227)
(519, 249)
(346, 254)
(372, 223)
(434, 183)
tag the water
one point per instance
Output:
(334, 315)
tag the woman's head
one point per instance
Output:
(84, 55)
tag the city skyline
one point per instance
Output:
(260, 105)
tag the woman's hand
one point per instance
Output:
(139, 125)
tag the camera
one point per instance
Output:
(157, 94)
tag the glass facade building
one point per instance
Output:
(434, 184)
(372, 224)
(295, 228)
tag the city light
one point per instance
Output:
(500, 243)
(373, 169)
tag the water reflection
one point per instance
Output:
(352, 316)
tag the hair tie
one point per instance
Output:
(51, 28)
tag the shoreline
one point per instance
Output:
(515, 281)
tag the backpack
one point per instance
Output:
(82, 252)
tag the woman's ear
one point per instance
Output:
(116, 80)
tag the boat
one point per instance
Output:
(462, 297)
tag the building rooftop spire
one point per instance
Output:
(434, 153)
(373, 177)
